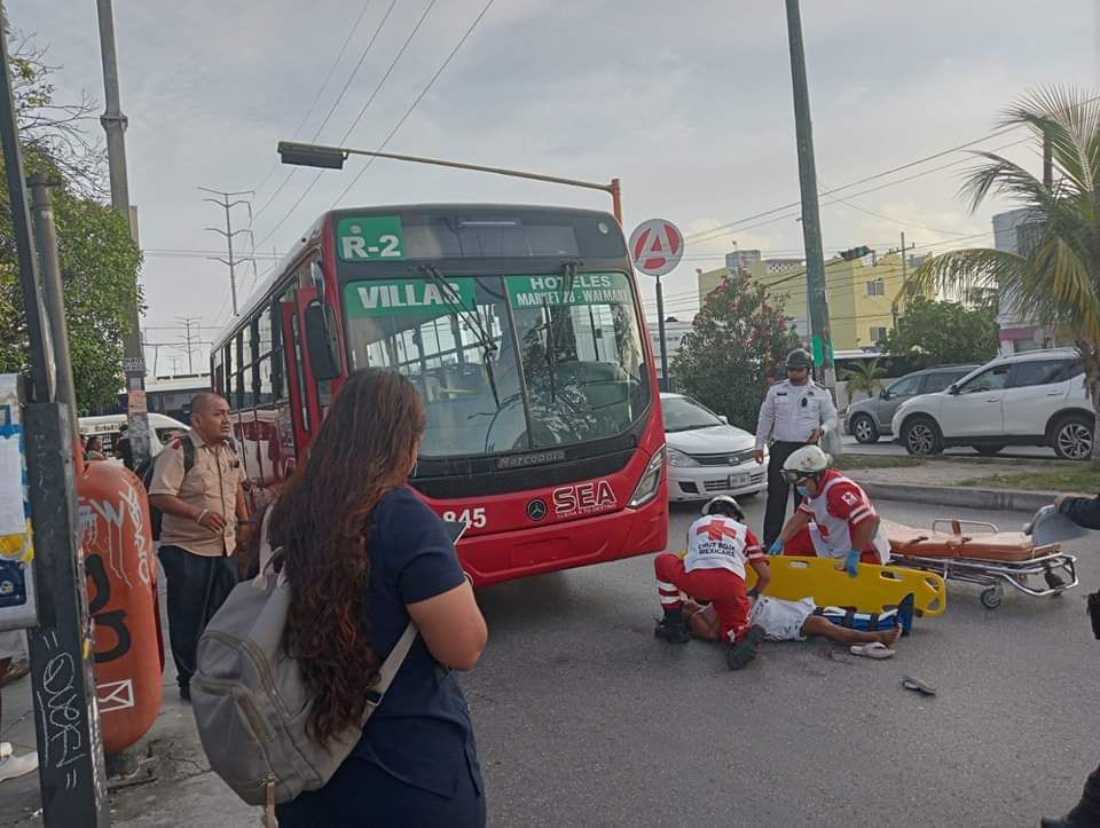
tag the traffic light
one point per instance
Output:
(855, 253)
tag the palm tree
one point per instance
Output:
(865, 378)
(1055, 279)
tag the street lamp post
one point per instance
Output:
(326, 157)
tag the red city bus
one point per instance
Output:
(523, 330)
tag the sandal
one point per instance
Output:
(874, 649)
(917, 686)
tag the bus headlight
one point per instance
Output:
(650, 483)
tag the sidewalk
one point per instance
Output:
(174, 785)
(940, 482)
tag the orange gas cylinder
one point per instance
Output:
(121, 571)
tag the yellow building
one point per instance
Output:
(862, 292)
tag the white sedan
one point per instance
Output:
(706, 455)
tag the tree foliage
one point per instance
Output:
(99, 262)
(864, 378)
(736, 337)
(940, 333)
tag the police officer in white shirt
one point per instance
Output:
(795, 413)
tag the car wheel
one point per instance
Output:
(1072, 437)
(987, 450)
(922, 437)
(863, 428)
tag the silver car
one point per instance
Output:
(870, 419)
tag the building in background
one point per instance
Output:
(675, 331)
(169, 395)
(864, 291)
(1014, 232)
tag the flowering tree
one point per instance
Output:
(736, 337)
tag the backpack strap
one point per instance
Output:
(388, 671)
(188, 446)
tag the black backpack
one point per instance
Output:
(146, 469)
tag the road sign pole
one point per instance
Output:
(661, 336)
(817, 295)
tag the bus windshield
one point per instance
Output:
(506, 363)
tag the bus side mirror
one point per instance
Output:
(324, 356)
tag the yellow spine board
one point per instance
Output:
(875, 589)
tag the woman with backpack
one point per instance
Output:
(363, 555)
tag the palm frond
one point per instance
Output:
(1000, 176)
(960, 271)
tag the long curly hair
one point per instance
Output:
(365, 449)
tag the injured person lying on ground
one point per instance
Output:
(781, 620)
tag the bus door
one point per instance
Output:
(304, 400)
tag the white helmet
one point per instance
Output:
(807, 461)
(724, 505)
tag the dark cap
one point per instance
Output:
(799, 358)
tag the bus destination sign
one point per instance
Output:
(399, 296)
(370, 238)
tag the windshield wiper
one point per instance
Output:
(473, 322)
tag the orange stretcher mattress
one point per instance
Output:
(991, 546)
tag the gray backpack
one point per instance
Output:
(251, 704)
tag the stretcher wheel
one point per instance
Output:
(991, 597)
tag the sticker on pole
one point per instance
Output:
(656, 247)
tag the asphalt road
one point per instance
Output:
(885, 447)
(583, 718)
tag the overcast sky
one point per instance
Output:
(689, 104)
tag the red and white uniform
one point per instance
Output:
(839, 507)
(712, 570)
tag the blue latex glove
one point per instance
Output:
(852, 563)
(776, 548)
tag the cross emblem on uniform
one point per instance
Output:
(715, 530)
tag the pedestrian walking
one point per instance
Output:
(198, 489)
(123, 449)
(796, 412)
(93, 449)
(363, 554)
(1085, 512)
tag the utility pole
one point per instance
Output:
(228, 233)
(187, 322)
(114, 124)
(904, 281)
(817, 294)
(70, 748)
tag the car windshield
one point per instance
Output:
(506, 363)
(684, 414)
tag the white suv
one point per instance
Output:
(1038, 398)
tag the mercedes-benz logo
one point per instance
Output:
(536, 509)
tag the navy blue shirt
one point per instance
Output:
(421, 733)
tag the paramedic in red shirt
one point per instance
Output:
(713, 570)
(836, 518)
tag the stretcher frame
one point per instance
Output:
(995, 574)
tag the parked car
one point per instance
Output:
(870, 419)
(706, 455)
(1038, 398)
(107, 428)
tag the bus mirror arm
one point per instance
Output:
(324, 357)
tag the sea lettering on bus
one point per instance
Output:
(584, 498)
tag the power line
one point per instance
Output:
(393, 64)
(466, 35)
(321, 90)
(351, 77)
(996, 133)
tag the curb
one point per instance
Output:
(1000, 500)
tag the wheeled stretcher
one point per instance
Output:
(979, 553)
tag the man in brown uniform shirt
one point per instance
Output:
(202, 507)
